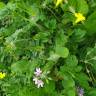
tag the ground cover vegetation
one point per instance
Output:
(47, 47)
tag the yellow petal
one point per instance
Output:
(2, 75)
(58, 2)
(79, 17)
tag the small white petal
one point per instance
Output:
(35, 80)
(40, 83)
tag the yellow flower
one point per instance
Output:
(79, 17)
(59, 2)
(2, 75)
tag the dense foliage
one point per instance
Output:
(47, 48)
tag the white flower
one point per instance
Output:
(40, 83)
(38, 72)
(35, 80)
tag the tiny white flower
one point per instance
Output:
(35, 80)
(38, 72)
(40, 83)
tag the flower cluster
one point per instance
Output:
(37, 78)
(2, 75)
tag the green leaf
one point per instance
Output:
(91, 57)
(62, 51)
(72, 61)
(68, 82)
(73, 3)
(69, 86)
(67, 18)
(19, 66)
(53, 57)
(79, 5)
(82, 6)
(61, 39)
(23, 66)
(1, 5)
(82, 80)
(71, 92)
(92, 92)
(90, 24)
(50, 87)
(51, 24)
(78, 35)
